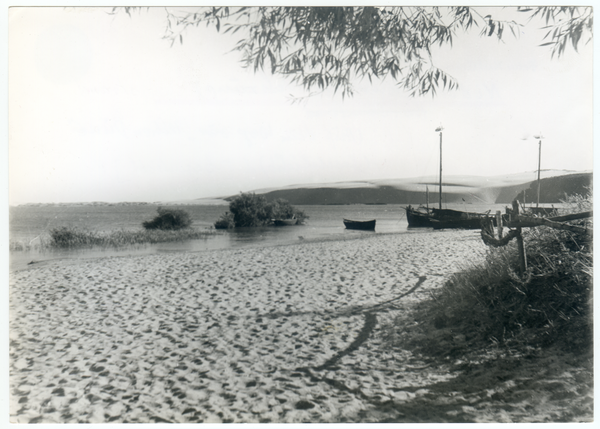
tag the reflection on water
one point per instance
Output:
(325, 222)
(230, 239)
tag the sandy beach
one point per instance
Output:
(278, 334)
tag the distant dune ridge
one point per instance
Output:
(456, 189)
(469, 189)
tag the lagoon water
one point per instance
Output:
(30, 223)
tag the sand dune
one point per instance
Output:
(473, 189)
(417, 184)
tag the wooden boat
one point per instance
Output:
(426, 217)
(365, 225)
(465, 221)
(285, 222)
(540, 211)
(444, 218)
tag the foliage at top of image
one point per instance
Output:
(329, 47)
(169, 219)
(249, 209)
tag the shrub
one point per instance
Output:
(226, 221)
(169, 219)
(249, 210)
(254, 210)
(282, 209)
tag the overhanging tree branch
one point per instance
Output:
(328, 47)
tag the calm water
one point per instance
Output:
(28, 223)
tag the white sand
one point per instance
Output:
(230, 335)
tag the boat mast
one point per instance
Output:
(440, 128)
(540, 137)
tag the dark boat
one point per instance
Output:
(444, 218)
(285, 222)
(426, 217)
(541, 211)
(365, 225)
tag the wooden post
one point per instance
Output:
(539, 167)
(440, 170)
(499, 223)
(522, 254)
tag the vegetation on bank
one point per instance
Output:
(169, 225)
(169, 220)
(72, 238)
(551, 304)
(249, 209)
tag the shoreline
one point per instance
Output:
(24, 260)
(243, 335)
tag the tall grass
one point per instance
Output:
(73, 238)
(492, 303)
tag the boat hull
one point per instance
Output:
(419, 219)
(473, 223)
(285, 222)
(364, 225)
(444, 218)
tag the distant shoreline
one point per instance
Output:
(459, 189)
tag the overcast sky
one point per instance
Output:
(101, 108)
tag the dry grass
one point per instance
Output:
(493, 304)
(73, 238)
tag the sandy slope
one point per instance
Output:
(473, 188)
(454, 183)
(281, 334)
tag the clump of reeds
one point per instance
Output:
(71, 238)
(551, 303)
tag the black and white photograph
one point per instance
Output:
(336, 214)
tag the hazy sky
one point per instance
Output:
(102, 109)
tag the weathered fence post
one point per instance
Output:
(522, 254)
(499, 223)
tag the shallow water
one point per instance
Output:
(29, 223)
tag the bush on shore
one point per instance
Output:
(551, 304)
(249, 209)
(169, 219)
(226, 221)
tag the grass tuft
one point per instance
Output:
(74, 238)
(491, 303)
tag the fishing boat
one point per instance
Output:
(285, 222)
(426, 217)
(540, 211)
(461, 220)
(365, 225)
(423, 217)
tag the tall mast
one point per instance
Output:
(440, 128)
(540, 137)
